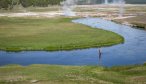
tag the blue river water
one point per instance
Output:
(132, 51)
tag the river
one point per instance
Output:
(132, 51)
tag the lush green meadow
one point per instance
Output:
(27, 33)
(54, 74)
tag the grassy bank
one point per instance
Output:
(53, 74)
(51, 34)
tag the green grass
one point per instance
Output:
(51, 34)
(54, 74)
(44, 9)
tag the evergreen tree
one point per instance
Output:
(5, 4)
(26, 3)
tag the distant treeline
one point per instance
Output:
(9, 4)
(136, 1)
(127, 1)
(110, 1)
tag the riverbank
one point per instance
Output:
(137, 21)
(27, 33)
(55, 74)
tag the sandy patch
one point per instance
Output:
(34, 14)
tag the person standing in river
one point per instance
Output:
(99, 56)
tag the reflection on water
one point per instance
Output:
(133, 51)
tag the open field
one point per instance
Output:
(54, 74)
(51, 34)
